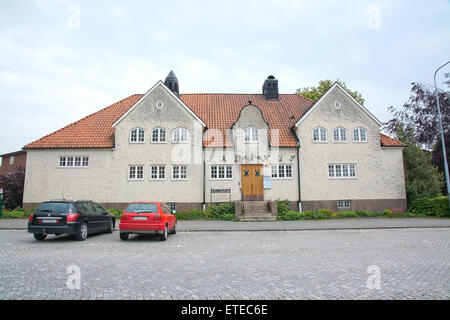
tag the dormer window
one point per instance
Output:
(340, 135)
(158, 135)
(251, 135)
(180, 135)
(319, 135)
(137, 135)
(359, 135)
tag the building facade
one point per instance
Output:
(11, 161)
(192, 149)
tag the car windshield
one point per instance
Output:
(142, 207)
(53, 207)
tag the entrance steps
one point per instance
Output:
(257, 211)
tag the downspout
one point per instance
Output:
(298, 172)
(204, 177)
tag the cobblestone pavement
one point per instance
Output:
(348, 223)
(331, 264)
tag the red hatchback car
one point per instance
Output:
(147, 217)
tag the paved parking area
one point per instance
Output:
(328, 264)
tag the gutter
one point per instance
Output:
(298, 172)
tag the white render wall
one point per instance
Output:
(379, 171)
(106, 179)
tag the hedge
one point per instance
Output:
(431, 206)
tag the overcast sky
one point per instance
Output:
(62, 60)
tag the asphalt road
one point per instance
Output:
(413, 263)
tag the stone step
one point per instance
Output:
(249, 219)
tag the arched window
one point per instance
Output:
(359, 135)
(251, 135)
(319, 135)
(180, 135)
(158, 135)
(340, 135)
(137, 135)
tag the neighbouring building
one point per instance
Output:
(11, 161)
(194, 149)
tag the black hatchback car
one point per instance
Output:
(78, 218)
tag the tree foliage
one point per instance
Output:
(422, 179)
(314, 93)
(12, 185)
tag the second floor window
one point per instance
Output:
(159, 135)
(81, 162)
(341, 171)
(359, 135)
(157, 172)
(319, 135)
(340, 135)
(251, 135)
(137, 135)
(180, 135)
(179, 172)
(135, 172)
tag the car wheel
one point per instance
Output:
(164, 234)
(110, 227)
(124, 236)
(83, 232)
(40, 236)
(174, 230)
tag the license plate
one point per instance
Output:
(49, 221)
(140, 218)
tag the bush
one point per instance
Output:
(431, 206)
(17, 213)
(117, 213)
(191, 215)
(218, 211)
(12, 184)
(283, 207)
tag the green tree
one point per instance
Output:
(314, 93)
(422, 178)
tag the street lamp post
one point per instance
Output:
(444, 153)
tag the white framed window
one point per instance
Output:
(251, 135)
(73, 162)
(157, 172)
(319, 135)
(180, 135)
(340, 135)
(172, 206)
(137, 135)
(135, 172)
(221, 172)
(282, 171)
(343, 204)
(159, 104)
(359, 135)
(337, 105)
(158, 135)
(11, 160)
(179, 173)
(342, 170)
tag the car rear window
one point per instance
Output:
(53, 207)
(142, 207)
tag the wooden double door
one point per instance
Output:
(252, 182)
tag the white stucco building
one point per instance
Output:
(193, 149)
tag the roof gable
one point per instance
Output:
(161, 84)
(339, 87)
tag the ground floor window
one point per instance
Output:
(179, 173)
(136, 172)
(222, 172)
(75, 161)
(172, 206)
(282, 171)
(343, 204)
(157, 172)
(341, 171)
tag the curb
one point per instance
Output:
(285, 229)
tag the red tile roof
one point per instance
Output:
(387, 141)
(218, 111)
